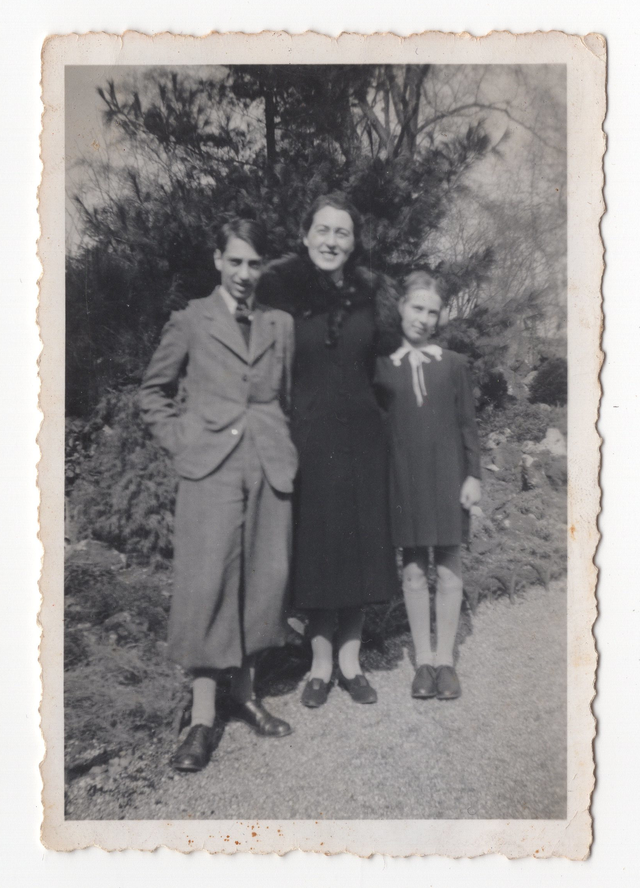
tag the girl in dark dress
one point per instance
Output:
(435, 472)
(343, 555)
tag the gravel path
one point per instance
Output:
(499, 752)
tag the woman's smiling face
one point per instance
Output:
(330, 240)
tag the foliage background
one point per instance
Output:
(458, 168)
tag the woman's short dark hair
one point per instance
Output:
(252, 232)
(422, 280)
(339, 201)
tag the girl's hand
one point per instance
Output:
(471, 492)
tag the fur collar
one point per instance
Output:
(310, 291)
(295, 285)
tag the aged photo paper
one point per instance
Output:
(275, 204)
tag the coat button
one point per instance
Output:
(234, 431)
(244, 377)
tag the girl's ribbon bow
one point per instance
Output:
(417, 357)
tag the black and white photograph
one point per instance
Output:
(316, 400)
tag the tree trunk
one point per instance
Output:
(270, 125)
(409, 115)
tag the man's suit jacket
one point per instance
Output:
(231, 389)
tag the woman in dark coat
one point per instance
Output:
(343, 555)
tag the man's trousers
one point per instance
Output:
(232, 549)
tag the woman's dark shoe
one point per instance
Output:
(256, 716)
(447, 683)
(424, 683)
(195, 750)
(315, 693)
(358, 687)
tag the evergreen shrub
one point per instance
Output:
(123, 492)
(493, 389)
(93, 594)
(550, 383)
(525, 421)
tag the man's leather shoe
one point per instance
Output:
(424, 683)
(315, 693)
(447, 683)
(358, 688)
(256, 716)
(194, 751)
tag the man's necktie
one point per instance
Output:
(244, 316)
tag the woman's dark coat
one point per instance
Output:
(343, 555)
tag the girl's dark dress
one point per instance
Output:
(434, 447)
(343, 555)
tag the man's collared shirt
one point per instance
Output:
(231, 303)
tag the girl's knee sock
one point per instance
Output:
(416, 600)
(448, 603)
(203, 710)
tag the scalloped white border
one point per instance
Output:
(586, 61)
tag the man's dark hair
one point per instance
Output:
(339, 201)
(254, 233)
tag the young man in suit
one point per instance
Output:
(232, 451)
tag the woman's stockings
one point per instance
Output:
(349, 639)
(415, 589)
(320, 630)
(448, 601)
